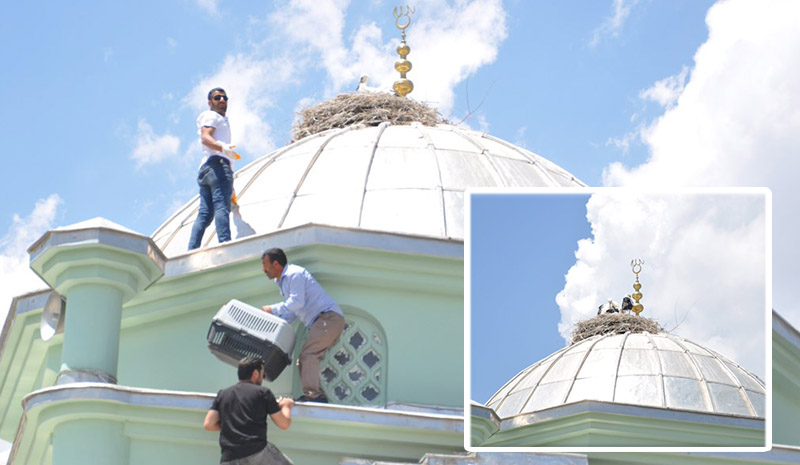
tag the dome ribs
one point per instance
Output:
(440, 186)
(381, 127)
(308, 168)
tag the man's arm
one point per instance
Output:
(294, 302)
(211, 422)
(207, 138)
(283, 418)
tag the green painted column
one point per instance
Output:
(108, 443)
(97, 265)
(91, 342)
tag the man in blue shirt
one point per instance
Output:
(305, 299)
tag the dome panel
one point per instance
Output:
(638, 362)
(638, 341)
(598, 388)
(600, 363)
(677, 364)
(404, 137)
(448, 139)
(461, 170)
(412, 211)
(454, 216)
(341, 169)
(564, 368)
(533, 377)
(365, 137)
(262, 215)
(686, 394)
(547, 395)
(664, 344)
(728, 398)
(278, 180)
(712, 370)
(508, 151)
(514, 172)
(331, 208)
(403, 168)
(513, 402)
(744, 378)
(759, 401)
(647, 371)
(639, 390)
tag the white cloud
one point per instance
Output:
(15, 272)
(704, 259)
(666, 91)
(614, 23)
(449, 41)
(252, 83)
(210, 6)
(150, 148)
(736, 123)
(172, 44)
(458, 39)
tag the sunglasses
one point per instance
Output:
(221, 97)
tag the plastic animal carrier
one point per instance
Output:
(239, 330)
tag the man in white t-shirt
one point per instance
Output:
(216, 173)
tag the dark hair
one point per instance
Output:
(216, 89)
(247, 365)
(275, 254)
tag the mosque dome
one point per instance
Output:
(403, 179)
(641, 369)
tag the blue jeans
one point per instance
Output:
(216, 186)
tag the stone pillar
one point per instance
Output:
(97, 265)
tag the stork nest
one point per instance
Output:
(614, 323)
(370, 108)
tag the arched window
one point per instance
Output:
(353, 371)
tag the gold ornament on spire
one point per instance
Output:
(402, 17)
(636, 267)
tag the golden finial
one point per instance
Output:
(636, 267)
(402, 17)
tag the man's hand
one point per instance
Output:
(228, 151)
(286, 402)
(267, 308)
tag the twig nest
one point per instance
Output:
(614, 323)
(370, 108)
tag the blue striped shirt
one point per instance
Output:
(303, 297)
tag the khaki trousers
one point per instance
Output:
(322, 335)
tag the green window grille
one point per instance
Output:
(353, 371)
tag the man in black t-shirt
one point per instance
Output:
(240, 412)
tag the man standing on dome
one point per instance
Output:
(304, 298)
(240, 412)
(215, 176)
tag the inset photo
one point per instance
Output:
(608, 319)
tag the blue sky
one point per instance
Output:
(521, 248)
(90, 79)
(102, 97)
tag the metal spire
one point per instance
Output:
(402, 17)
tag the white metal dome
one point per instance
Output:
(653, 370)
(398, 179)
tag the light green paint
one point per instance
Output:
(107, 445)
(91, 332)
(785, 391)
(600, 429)
(134, 429)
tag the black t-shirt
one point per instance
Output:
(243, 410)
